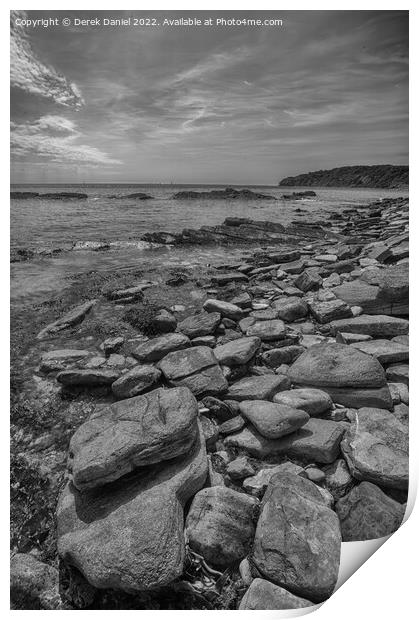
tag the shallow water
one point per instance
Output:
(47, 224)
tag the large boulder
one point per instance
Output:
(195, 368)
(317, 440)
(376, 448)
(136, 381)
(220, 525)
(351, 377)
(130, 536)
(258, 388)
(377, 326)
(366, 513)
(290, 308)
(155, 349)
(297, 542)
(133, 433)
(272, 420)
(313, 401)
(203, 324)
(264, 595)
(237, 352)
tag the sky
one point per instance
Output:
(206, 104)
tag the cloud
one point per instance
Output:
(52, 139)
(30, 74)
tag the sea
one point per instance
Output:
(50, 224)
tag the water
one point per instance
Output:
(46, 224)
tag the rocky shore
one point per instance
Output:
(208, 441)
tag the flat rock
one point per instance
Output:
(326, 311)
(272, 420)
(297, 542)
(226, 309)
(313, 401)
(60, 359)
(195, 368)
(258, 388)
(290, 308)
(317, 441)
(263, 594)
(219, 525)
(203, 324)
(377, 326)
(361, 397)
(220, 279)
(133, 433)
(385, 351)
(130, 536)
(267, 330)
(237, 352)
(136, 381)
(376, 448)
(69, 319)
(155, 349)
(366, 513)
(336, 365)
(88, 377)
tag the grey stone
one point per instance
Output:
(258, 388)
(326, 311)
(272, 420)
(385, 351)
(155, 349)
(290, 308)
(377, 326)
(263, 594)
(257, 485)
(225, 309)
(88, 377)
(284, 355)
(33, 584)
(136, 381)
(237, 352)
(61, 359)
(267, 330)
(69, 319)
(203, 324)
(314, 402)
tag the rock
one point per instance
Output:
(240, 468)
(401, 390)
(317, 441)
(243, 300)
(129, 295)
(336, 365)
(224, 308)
(326, 311)
(377, 326)
(297, 542)
(290, 308)
(402, 413)
(202, 324)
(365, 397)
(313, 401)
(136, 381)
(219, 525)
(195, 368)
(401, 339)
(398, 373)
(116, 361)
(315, 474)
(62, 359)
(221, 279)
(112, 345)
(33, 584)
(284, 355)
(232, 426)
(293, 267)
(130, 536)
(267, 330)
(257, 485)
(376, 448)
(338, 479)
(331, 281)
(258, 388)
(348, 338)
(267, 314)
(263, 594)
(271, 420)
(367, 513)
(245, 572)
(237, 352)
(204, 341)
(69, 319)
(164, 322)
(89, 377)
(155, 349)
(220, 409)
(385, 351)
(308, 281)
(133, 433)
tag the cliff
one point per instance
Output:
(385, 176)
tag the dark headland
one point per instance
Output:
(385, 176)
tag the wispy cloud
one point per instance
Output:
(30, 74)
(54, 139)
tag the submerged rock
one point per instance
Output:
(69, 319)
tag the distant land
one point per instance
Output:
(385, 176)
